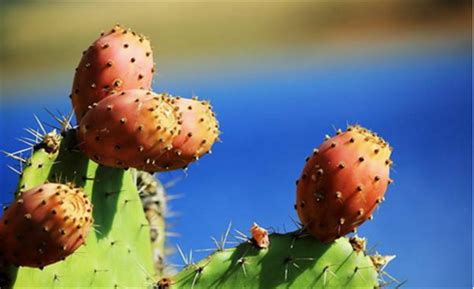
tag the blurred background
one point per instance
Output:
(280, 76)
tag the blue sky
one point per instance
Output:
(274, 109)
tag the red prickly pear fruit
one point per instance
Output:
(45, 224)
(343, 182)
(132, 128)
(199, 131)
(116, 61)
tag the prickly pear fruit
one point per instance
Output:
(132, 128)
(116, 61)
(44, 225)
(343, 182)
(199, 131)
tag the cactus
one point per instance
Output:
(44, 225)
(293, 260)
(343, 182)
(118, 252)
(116, 61)
(123, 126)
(130, 129)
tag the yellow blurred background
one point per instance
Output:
(41, 38)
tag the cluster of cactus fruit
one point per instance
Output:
(122, 123)
(88, 214)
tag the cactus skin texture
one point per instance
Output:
(44, 225)
(199, 130)
(343, 182)
(154, 201)
(130, 129)
(116, 61)
(117, 253)
(292, 261)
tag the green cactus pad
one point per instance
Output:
(291, 261)
(118, 252)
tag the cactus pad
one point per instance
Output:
(291, 261)
(117, 253)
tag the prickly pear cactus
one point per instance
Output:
(124, 125)
(117, 254)
(292, 260)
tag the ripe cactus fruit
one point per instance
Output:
(199, 130)
(343, 182)
(132, 128)
(293, 260)
(44, 225)
(116, 61)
